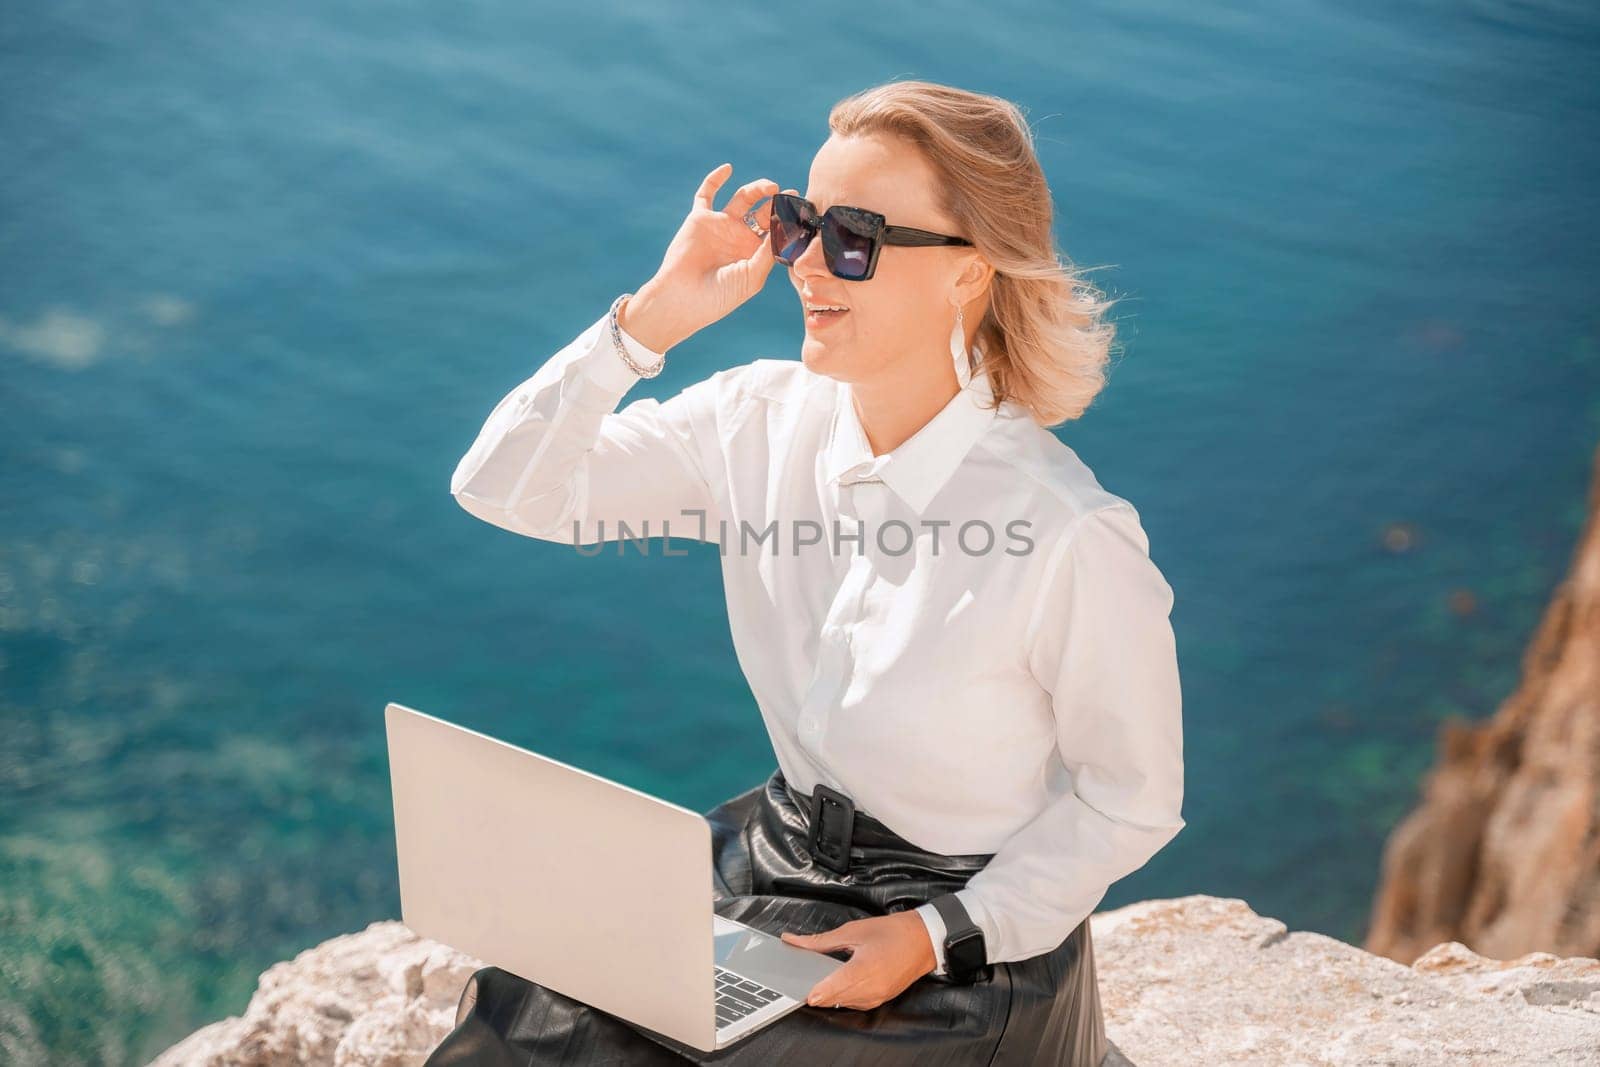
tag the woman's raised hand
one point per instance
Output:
(714, 263)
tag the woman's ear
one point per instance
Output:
(974, 279)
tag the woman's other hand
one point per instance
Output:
(887, 954)
(714, 263)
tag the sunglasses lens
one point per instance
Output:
(791, 233)
(848, 252)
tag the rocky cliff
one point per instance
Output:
(1194, 980)
(1503, 853)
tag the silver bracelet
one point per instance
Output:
(622, 349)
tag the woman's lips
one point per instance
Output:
(815, 319)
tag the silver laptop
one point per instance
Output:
(581, 884)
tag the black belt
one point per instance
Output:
(831, 820)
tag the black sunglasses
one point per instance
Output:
(851, 236)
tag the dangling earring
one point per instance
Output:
(958, 349)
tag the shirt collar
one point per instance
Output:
(924, 462)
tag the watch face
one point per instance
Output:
(965, 953)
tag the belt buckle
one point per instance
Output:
(833, 817)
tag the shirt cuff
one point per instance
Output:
(936, 931)
(604, 364)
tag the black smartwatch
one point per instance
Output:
(965, 954)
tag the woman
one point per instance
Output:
(945, 620)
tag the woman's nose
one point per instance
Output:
(811, 262)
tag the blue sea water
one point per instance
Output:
(264, 269)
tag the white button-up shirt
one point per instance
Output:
(966, 634)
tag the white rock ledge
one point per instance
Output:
(1192, 980)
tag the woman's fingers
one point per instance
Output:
(845, 935)
(743, 198)
(747, 195)
(708, 188)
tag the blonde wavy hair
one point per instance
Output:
(1045, 339)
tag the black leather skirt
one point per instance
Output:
(1043, 1010)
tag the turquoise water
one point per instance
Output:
(264, 270)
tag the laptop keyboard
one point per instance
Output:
(738, 997)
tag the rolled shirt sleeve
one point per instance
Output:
(554, 460)
(936, 931)
(1100, 641)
